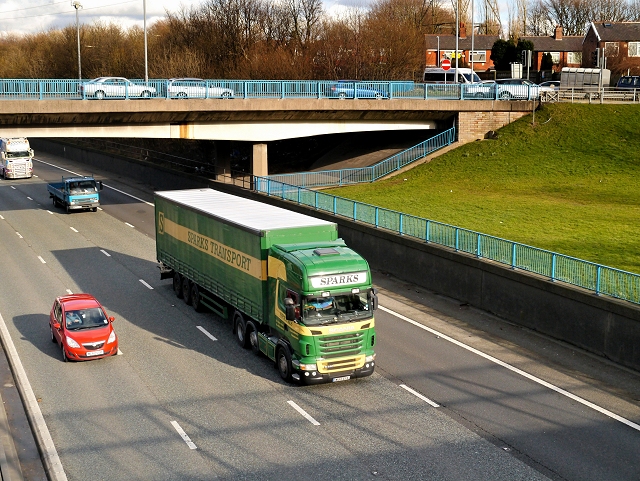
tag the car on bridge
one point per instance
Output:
(183, 88)
(516, 88)
(353, 89)
(115, 87)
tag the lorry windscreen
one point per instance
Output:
(83, 187)
(17, 155)
(333, 309)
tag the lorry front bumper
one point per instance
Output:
(84, 205)
(311, 377)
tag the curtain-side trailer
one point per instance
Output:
(293, 290)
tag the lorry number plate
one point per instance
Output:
(343, 378)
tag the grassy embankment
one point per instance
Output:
(569, 184)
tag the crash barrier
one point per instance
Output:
(340, 177)
(600, 279)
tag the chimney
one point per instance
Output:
(558, 33)
(462, 31)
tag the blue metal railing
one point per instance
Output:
(340, 177)
(597, 278)
(44, 89)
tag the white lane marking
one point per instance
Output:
(48, 449)
(517, 371)
(304, 414)
(29, 198)
(126, 223)
(49, 212)
(13, 187)
(18, 233)
(418, 395)
(1, 217)
(184, 436)
(99, 208)
(73, 229)
(120, 353)
(207, 333)
(35, 176)
(105, 252)
(145, 284)
(69, 291)
(105, 185)
(42, 260)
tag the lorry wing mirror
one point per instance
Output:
(100, 185)
(290, 310)
(373, 297)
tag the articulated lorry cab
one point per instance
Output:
(293, 290)
(15, 158)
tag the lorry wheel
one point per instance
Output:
(283, 361)
(196, 300)
(186, 290)
(177, 285)
(94, 209)
(240, 329)
(68, 209)
(252, 337)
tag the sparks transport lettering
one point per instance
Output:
(16, 155)
(292, 289)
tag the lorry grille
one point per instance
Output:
(334, 346)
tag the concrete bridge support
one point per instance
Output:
(472, 125)
(259, 165)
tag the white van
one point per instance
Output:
(433, 75)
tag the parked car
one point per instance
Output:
(182, 88)
(628, 82)
(516, 88)
(549, 86)
(350, 89)
(115, 87)
(82, 329)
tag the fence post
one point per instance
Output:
(457, 238)
(299, 190)
(598, 269)
(335, 205)
(479, 247)
(513, 255)
(400, 224)
(553, 268)
(376, 216)
(427, 231)
(315, 201)
(355, 211)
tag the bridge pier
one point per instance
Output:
(474, 125)
(259, 165)
(223, 158)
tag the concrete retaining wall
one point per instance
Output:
(600, 325)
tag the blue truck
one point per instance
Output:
(76, 193)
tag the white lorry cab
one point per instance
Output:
(16, 155)
(434, 75)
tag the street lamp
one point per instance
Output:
(77, 5)
(144, 21)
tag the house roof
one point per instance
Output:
(448, 42)
(616, 31)
(550, 44)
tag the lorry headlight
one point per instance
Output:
(370, 358)
(308, 367)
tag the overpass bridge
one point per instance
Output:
(256, 120)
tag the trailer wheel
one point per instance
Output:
(240, 329)
(177, 285)
(196, 300)
(252, 337)
(186, 290)
(283, 361)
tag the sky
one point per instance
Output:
(33, 16)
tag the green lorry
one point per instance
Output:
(293, 290)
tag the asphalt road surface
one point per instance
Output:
(450, 400)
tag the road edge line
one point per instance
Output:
(48, 452)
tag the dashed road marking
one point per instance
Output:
(207, 333)
(42, 260)
(418, 395)
(145, 284)
(184, 436)
(303, 412)
(105, 252)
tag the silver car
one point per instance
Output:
(516, 88)
(115, 87)
(183, 88)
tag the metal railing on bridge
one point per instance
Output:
(597, 278)
(340, 177)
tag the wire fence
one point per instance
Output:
(600, 279)
(340, 177)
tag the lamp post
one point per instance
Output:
(144, 22)
(77, 5)
(455, 75)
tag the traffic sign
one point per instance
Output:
(445, 64)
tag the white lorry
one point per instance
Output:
(16, 155)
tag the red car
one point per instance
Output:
(79, 324)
